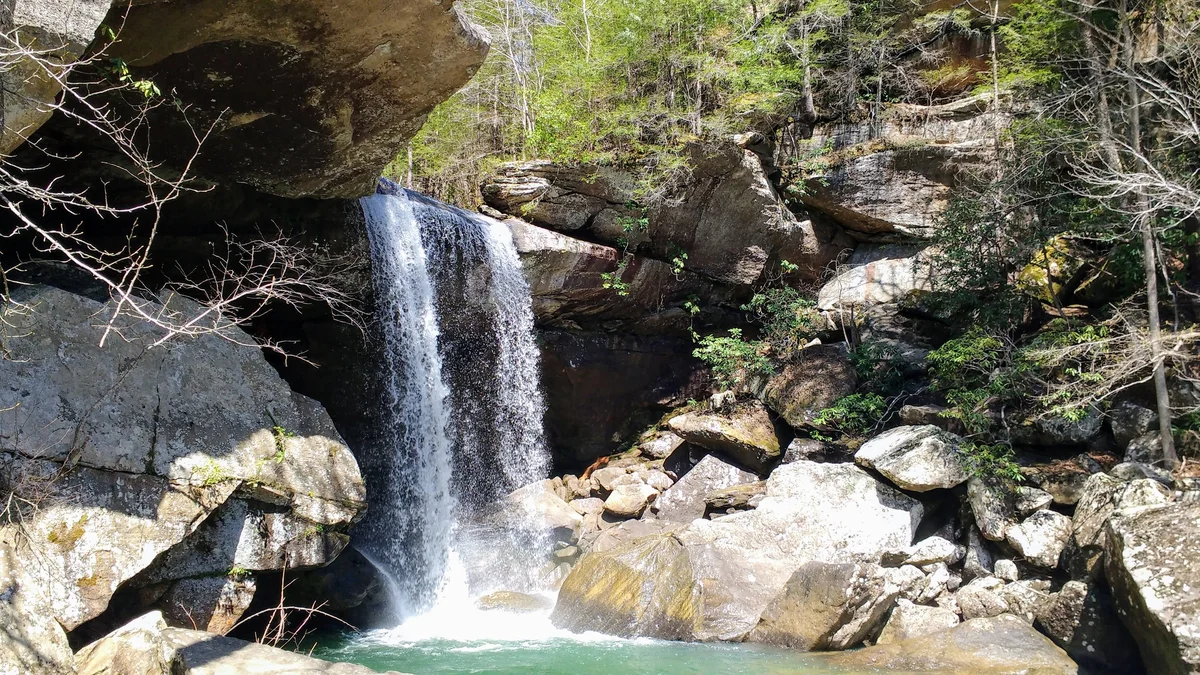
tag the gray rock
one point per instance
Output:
(1145, 449)
(747, 434)
(661, 446)
(1103, 496)
(1023, 598)
(921, 415)
(1152, 569)
(1056, 431)
(979, 559)
(1129, 421)
(684, 501)
(803, 448)
(811, 381)
(536, 508)
(591, 505)
(999, 645)
(915, 458)
(981, 598)
(908, 621)
(60, 30)
(877, 275)
(1082, 620)
(927, 552)
(605, 477)
(1029, 499)
(213, 604)
(32, 641)
(993, 515)
(738, 497)
(908, 579)
(628, 501)
(826, 606)
(1128, 471)
(1007, 570)
(1041, 537)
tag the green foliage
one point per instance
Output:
(281, 435)
(972, 371)
(238, 572)
(732, 358)
(118, 71)
(678, 258)
(788, 318)
(615, 280)
(1037, 36)
(878, 367)
(854, 415)
(993, 464)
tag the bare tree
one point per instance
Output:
(101, 95)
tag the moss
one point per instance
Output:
(66, 536)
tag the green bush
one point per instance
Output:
(993, 464)
(732, 358)
(788, 318)
(854, 415)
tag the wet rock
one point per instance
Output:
(1082, 620)
(684, 501)
(909, 621)
(812, 381)
(915, 458)
(826, 606)
(1152, 569)
(1000, 645)
(628, 501)
(747, 435)
(512, 601)
(1041, 537)
(536, 507)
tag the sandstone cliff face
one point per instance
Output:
(311, 101)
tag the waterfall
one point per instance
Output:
(463, 408)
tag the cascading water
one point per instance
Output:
(463, 411)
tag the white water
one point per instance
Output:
(463, 412)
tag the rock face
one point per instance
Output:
(61, 30)
(1001, 645)
(1082, 620)
(1153, 573)
(826, 606)
(316, 100)
(816, 378)
(145, 443)
(31, 641)
(728, 217)
(915, 458)
(747, 434)
(685, 501)
(909, 621)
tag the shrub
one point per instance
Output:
(854, 415)
(732, 358)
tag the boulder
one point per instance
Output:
(1007, 570)
(628, 501)
(1130, 420)
(812, 381)
(348, 84)
(826, 606)
(685, 501)
(661, 446)
(981, 598)
(1102, 496)
(834, 513)
(926, 552)
(1027, 499)
(909, 621)
(1054, 271)
(877, 275)
(644, 587)
(979, 561)
(1062, 478)
(31, 641)
(918, 459)
(1152, 569)
(537, 508)
(1145, 449)
(1059, 431)
(1000, 645)
(512, 601)
(1081, 619)
(747, 434)
(804, 448)
(921, 415)
(1024, 597)
(989, 504)
(60, 31)
(1041, 537)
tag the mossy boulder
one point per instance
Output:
(747, 434)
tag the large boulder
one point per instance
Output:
(139, 443)
(727, 217)
(685, 501)
(916, 458)
(712, 579)
(811, 381)
(146, 646)
(645, 587)
(833, 513)
(311, 102)
(1040, 538)
(877, 275)
(58, 31)
(1000, 645)
(1103, 496)
(747, 434)
(827, 606)
(909, 621)
(1152, 569)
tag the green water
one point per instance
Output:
(559, 655)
